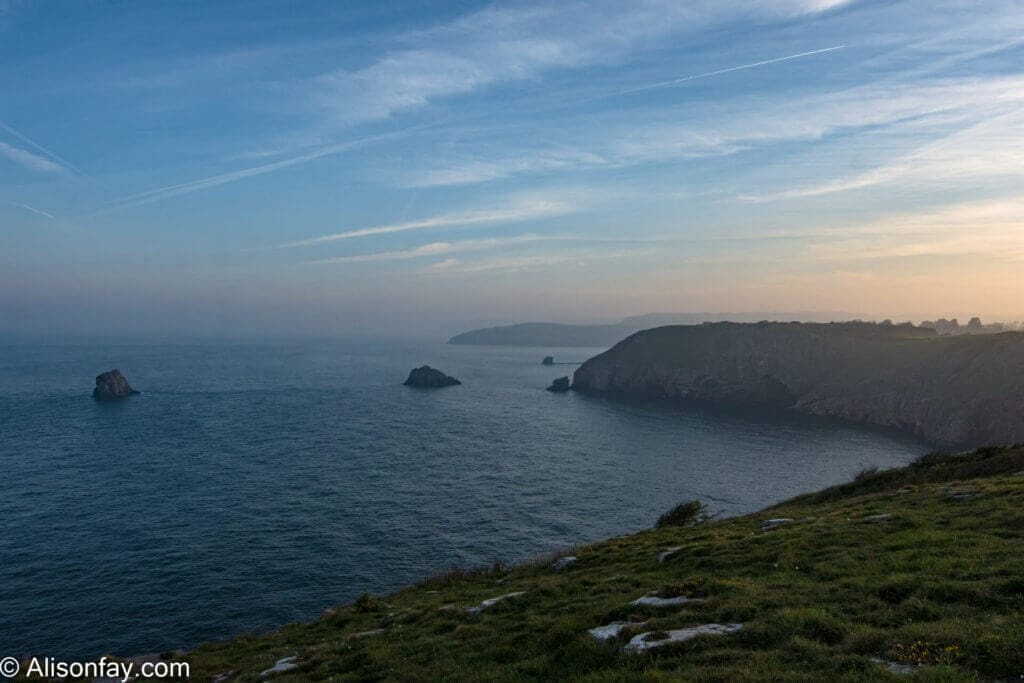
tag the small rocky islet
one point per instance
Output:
(112, 385)
(560, 385)
(426, 377)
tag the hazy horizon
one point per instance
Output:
(267, 170)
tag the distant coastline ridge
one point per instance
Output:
(563, 334)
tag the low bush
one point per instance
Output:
(685, 514)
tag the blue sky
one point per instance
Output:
(348, 168)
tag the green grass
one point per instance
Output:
(940, 584)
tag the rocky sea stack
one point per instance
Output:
(560, 385)
(112, 385)
(428, 378)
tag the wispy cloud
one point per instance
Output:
(953, 155)
(438, 248)
(528, 262)
(188, 187)
(51, 163)
(991, 229)
(523, 210)
(28, 160)
(482, 170)
(935, 110)
(499, 45)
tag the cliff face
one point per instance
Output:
(951, 391)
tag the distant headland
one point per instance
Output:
(952, 390)
(563, 334)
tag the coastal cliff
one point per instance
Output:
(951, 391)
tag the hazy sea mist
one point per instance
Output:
(250, 486)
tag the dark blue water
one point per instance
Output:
(252, 486)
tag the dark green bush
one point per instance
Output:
(364, 603)
(685, 514)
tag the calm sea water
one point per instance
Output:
(248, 487)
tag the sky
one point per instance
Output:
(180, 169)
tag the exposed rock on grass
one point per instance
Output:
(648, 641)
(894, 667)
(666, 554)
(281, 666)
(491, 602)
(612, 630)
(366, 634)
(769, 524)
(564, 563)
(655, 601)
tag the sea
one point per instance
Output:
(253, 485)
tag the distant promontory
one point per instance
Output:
(561, 334)
(953, 391)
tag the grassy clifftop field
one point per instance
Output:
(913, 573)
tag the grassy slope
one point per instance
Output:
(819, 597)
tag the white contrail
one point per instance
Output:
(190, 186)
(33, 209)
(665, 84)
(437, 248)
(520, 213)
(28, 141)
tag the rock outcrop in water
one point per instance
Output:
(427, 377)
(560, 385)
(952, 391)
(112, 385)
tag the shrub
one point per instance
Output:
(866, 473)
(685, 514)
(364, 603)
